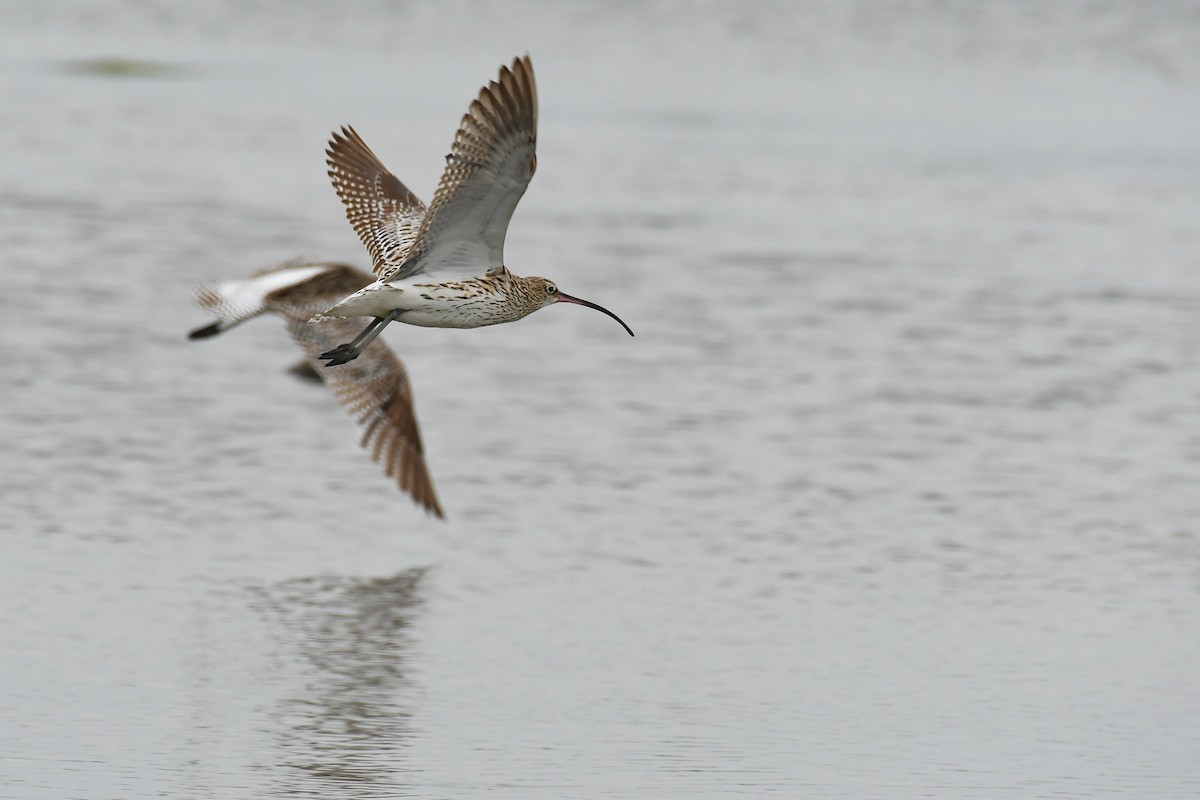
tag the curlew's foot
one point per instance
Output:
(353, 349)
(340, 355)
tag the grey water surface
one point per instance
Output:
(895, 494)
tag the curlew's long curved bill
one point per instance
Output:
(566, 298)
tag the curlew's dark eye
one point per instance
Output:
(551, 289)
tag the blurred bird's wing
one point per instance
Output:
(374, 387)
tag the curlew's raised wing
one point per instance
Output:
(381, 209)
(490, 165)
(374, 388)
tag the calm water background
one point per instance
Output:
(895, 494)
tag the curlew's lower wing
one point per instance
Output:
(381, 209)
(374, 387)
(490, 165)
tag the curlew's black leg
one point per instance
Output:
(352, 350)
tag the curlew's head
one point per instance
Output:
(545, 292)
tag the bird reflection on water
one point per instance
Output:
(344, 725)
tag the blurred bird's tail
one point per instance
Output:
(233, 302)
